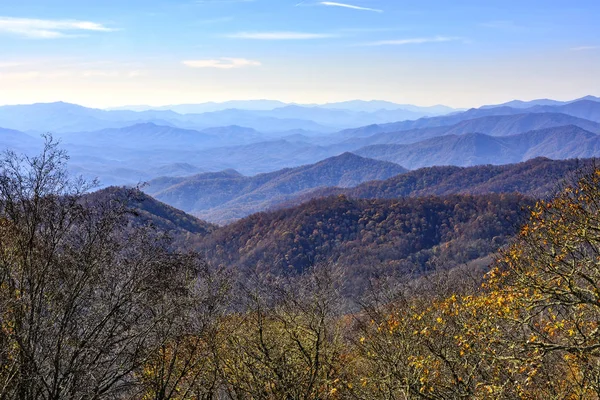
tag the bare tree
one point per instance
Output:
(86, 297)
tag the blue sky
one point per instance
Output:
(462, 53)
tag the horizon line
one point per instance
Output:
(291, 103)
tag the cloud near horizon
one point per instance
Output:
(353, 7)
(48, 28)
(422, 40)
(584, 48)
(221, 63)
(280, 35)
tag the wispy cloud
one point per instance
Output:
(584, 48)
(280, 35)
(48, 29)
(217, 20)
(32, 74)
(344, 5)
(501, 24)
(373, 30)
(98, 73)
(221, 1)
(337, 4)
(401, 42)
(504, 25)
(222, 63)
(10, 64)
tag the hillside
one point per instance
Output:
(538, 178)
(477, 148)
(151, 211)
(18, 141)
(225, 196)
(369, 236)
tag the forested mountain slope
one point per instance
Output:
(148, 210)
(369, 236)
(225, 196)
(538, 178)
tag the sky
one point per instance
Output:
(461, 53)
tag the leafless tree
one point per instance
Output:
(86, 297)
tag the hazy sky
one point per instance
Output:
(461, 53)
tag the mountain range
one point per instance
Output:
(363, 237)
(227, 196)
(253, 153)
(63, 117)
(128, 147)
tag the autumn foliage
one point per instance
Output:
(530, 331)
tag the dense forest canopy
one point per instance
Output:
(366, 237)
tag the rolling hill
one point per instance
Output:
(226, 196)
(539, 178)
(151, 211)
(367, 237)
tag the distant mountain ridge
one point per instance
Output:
(127, 147)
(269, 105)
(477, 148)
(151, 135)
(583, 109)
(538, 178)
(226, 196)
(65, 117)
(540, 102)
(495, 125)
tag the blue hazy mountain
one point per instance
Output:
(153, 136)
(477, 148)
(266, 105)
(585, 109)
(160, 143)
(540, 102)
(65, 117)
(221, 197)
(211, 106)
